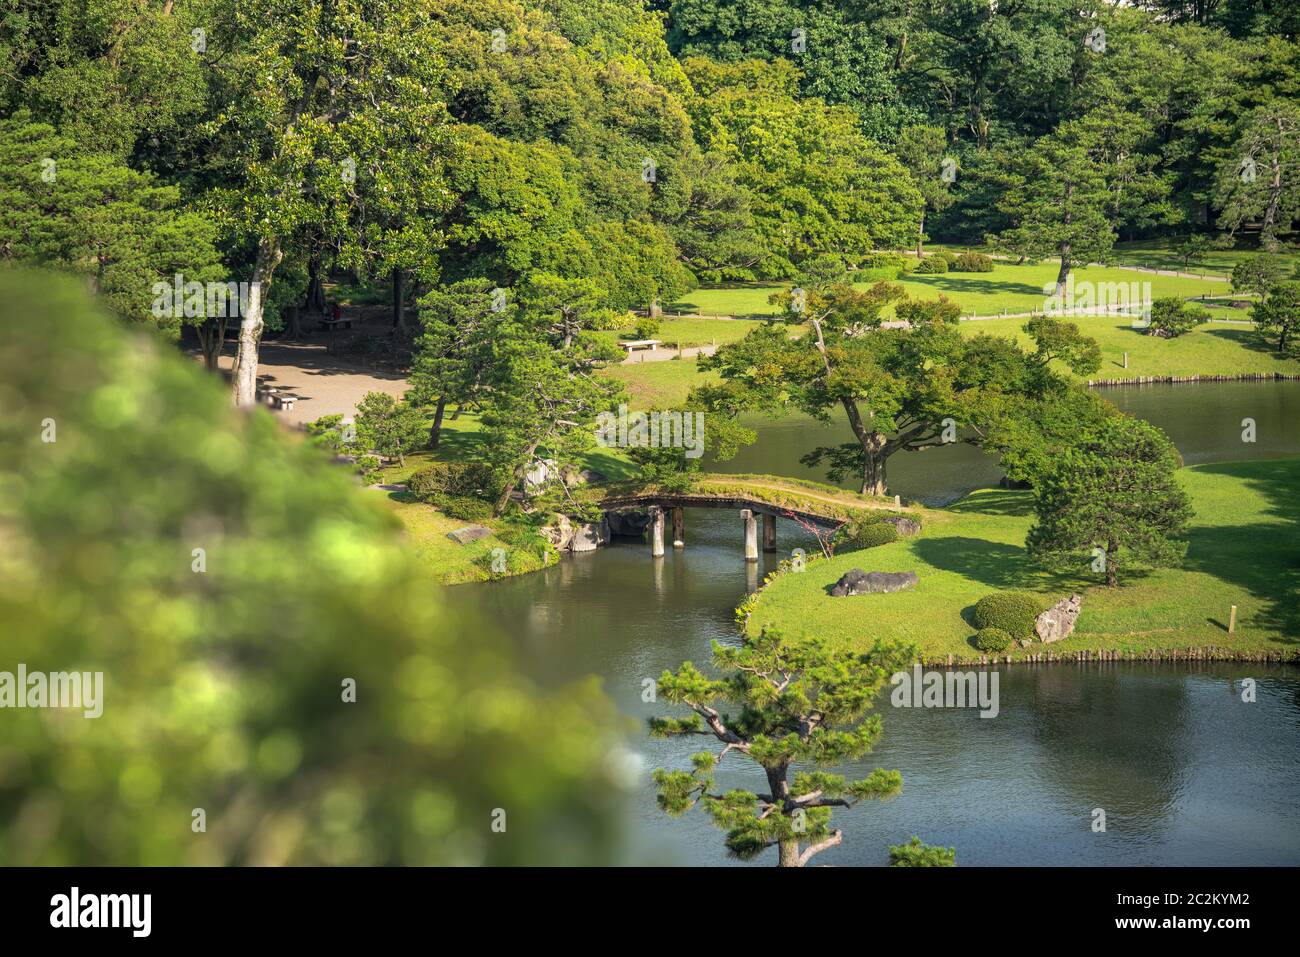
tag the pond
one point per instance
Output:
(1185, 771)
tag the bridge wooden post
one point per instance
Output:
(679, 524)
(656, 532)
(769, 532)
(751, 534)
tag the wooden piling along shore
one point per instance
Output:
(1164, 379)
(1104, 656)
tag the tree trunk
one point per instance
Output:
(250, 327)
(435, 430)
(779, 787)
(920, 234)
(788, 854)
(1064, 273)
(399, 293)
(212, 337)
(1112, 552)
(873, 466)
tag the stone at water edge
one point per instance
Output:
(1059, 620)
(857, 582)
(590, 536)
(559, 531)
(470, 533)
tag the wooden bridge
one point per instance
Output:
(820, 507)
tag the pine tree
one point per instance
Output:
(798, 701)
(1115, 493)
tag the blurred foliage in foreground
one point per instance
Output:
(223, 688)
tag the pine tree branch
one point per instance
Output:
(832, 841)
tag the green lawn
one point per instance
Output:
(651, 384)
(698, 332)
(1008, 287)
(1215, 348)
(1244, 550)
(1156, 254)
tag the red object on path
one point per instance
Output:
(338, 312)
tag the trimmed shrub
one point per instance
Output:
(462, 508)
(972, 262)
(876, 273)
(948, 256)
(647, 328)
(854, 536)
(992, 640)
(1011, 611)
(451, 480)
(932, 265)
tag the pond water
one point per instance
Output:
(1203, 420)
(1185, 771)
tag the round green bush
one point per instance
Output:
(948, 256)
(451, 479)
(932, 265)
(867, 535)
(647, 328)
(1012, 611)
(463, 508)
(992, 639)
(972, 262)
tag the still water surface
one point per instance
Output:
(1185, 771)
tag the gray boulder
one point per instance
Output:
(906, 527)
(558, 531)
(1059, 620)
(470, 533)
(590, 536)
(857, 582)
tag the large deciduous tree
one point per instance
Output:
(332, 127)
(796, 701)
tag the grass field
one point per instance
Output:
(1008, 287)
(1213, 349)
(1244, 550)
(1156, 254)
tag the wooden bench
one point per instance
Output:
(279, 400)
(344, 322)
(634, 344)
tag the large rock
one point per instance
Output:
(470, 533)
(906, 527)
(590, 536)
(558, 531)
(628, 524)
(574, 477)
(857, 582)
(1059, 620)
(541, 473)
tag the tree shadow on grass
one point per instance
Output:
(1247, 339)
(1261, 559)
(991, 563)
(995, 502)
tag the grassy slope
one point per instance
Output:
(1008, 286)
(1244, 550)
(1155, 254)
(426, 528)
(1215, 348)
